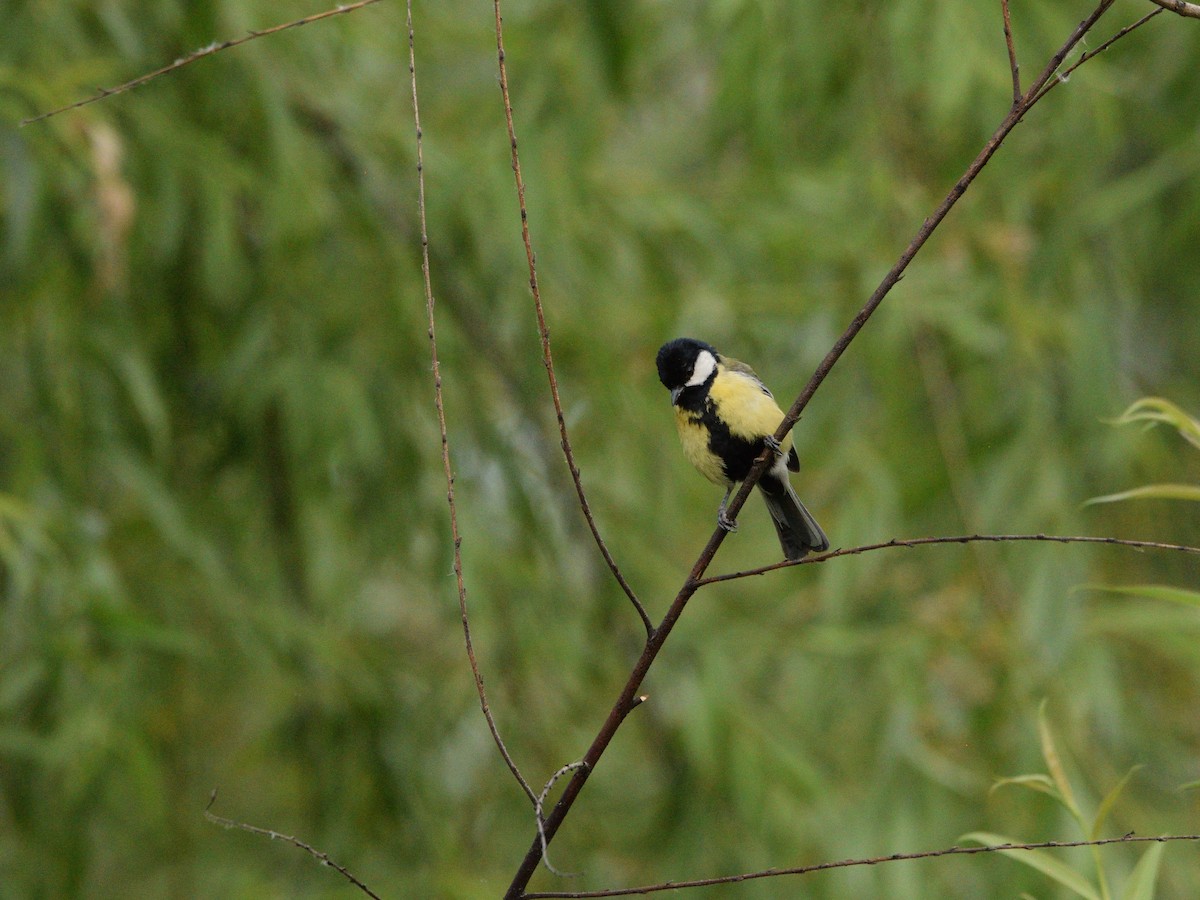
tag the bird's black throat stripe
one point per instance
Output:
(737, 454)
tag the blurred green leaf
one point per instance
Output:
(1156, 409)
(1151, 492)
(1107, 804)
(1150, 591)
(1043, 784)
(1144, 877)
(1054, 764)
(1040, 860)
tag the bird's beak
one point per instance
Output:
(675, 392)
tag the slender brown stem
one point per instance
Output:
(1012, 52)
(950, 539)
(1191, 10)
(320, 856)
(849, 863)
(216, 47)
(659, 635)
(544, 333)
(441, 414)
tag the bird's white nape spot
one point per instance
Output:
(705, 364)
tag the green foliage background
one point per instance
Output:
(223, 534)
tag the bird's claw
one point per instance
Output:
(773, 445)
(725, 523)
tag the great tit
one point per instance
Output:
(726, 417)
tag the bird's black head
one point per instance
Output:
(685, 362)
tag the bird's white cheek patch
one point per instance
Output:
(704, 367)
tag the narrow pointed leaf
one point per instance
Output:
(1144, 877)
(1055, 766)
(1041, 783)
(1151, 591)
(1040, 860)
(1157, 409)
(1151, 492)
(1107, 803)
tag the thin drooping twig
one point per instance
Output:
(850, 863)
(320, 856)
(544, 333)
(541, 801)
(958, 539)
(1191, 10)
(659, 635)
(1012, 52)
(216, 47)
(441, 414)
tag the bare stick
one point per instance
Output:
(544, 333)
(441, 413)
(1012, 52)
(849, 863)
(659, 635)
(1191, 10)
(321, 857)
(958, 539)
(216, 47)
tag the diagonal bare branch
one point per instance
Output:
(318, 855)
(1190, 10)
(215, 47)
(850, 863)
(441, 414)
(954, 539)
(544, 333)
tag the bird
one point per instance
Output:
(726, 417)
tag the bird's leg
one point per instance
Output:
(772, 444)
(723, 521)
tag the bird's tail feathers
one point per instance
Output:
(799, 533)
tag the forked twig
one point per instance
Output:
(441, 414)
(658, 636)
(958, 539)
(216, 47)
(850, 863)
(1061, 77)
(318, 855)
(544, 334)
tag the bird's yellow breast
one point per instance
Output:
(741, 406)
(745, 407)
(694, 437)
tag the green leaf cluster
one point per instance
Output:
(1142, 880)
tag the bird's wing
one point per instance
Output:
(741, 368)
